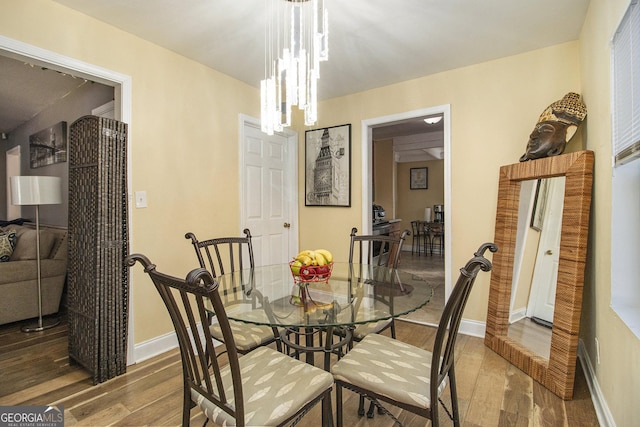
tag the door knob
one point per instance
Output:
(287, 225)
(549, 252)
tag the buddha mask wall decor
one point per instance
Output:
(556, 126)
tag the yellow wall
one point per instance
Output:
(618, 373)
(392, 189)
(530, 250)
(384, 176)
(411, 203)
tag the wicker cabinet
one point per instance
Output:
(395, 231)
(98, 244)
(396, 228)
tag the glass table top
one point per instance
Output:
(353, 294)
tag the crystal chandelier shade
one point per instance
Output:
(296, 37)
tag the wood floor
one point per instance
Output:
(35, 370)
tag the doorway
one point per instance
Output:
(543, 284)
(123, 105)
(368, 126)
(269, 197)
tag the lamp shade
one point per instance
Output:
(36, 190)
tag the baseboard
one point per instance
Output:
(518, 314)
(473, 328)
(467, 327)
(155, 346)
(605, 418)
(161, 344)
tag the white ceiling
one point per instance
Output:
(372, 43)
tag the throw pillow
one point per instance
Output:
(25, 248)
(17, 221)
(7, 244)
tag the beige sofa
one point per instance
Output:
(19, 278)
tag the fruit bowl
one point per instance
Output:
(311, 273)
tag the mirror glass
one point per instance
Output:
(535, 198)
(535, 266)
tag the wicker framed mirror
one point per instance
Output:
(557, 371)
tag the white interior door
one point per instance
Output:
(543, 285)
(269, 192)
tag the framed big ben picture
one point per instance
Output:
(328, 166)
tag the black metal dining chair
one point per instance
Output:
(419, 237)
(375, 250)
(383, 369)
(434, 234)
(227, 255)
(261, 388)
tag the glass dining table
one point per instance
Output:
(350, 295)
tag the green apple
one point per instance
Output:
(295, 267)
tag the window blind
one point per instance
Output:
(626, 87)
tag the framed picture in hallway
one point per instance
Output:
(328, 166)
(419, 178)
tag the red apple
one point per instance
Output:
(322, 271)
(307, 272)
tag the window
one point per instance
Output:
(625, 229)
(626, 87)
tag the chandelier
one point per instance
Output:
(295, 43)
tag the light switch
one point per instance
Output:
(141, 199)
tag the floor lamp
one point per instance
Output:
(36, 191)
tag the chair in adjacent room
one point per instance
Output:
(386, 370)
(233, 392)
(418, 237)
(435, 234)
(226, 255)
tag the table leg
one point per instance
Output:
(308, 342)
(328, 348)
